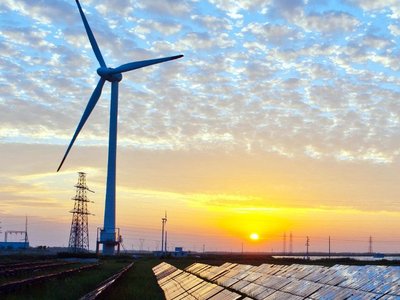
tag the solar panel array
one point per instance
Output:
(286, 282)
(182, 285)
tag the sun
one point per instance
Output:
(254, 236)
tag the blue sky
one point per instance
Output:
(307, 82)
(284, 63)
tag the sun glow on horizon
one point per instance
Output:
(254, 236)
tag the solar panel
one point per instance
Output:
(264, 268)
(395, 289)
(169, 277)
(234, 275)
(212, 292)
(229, 282)
(253, 276)
(197, 268)
(216, 272)
(203, 289)
(202, 281)
(302, 288)
(301, 274)
(317, 274)
(278, 295)
(327, 293)
(172, 289)
(250, 289)
(185, 296)
(165, 271)
(378, 287)
(265, 293)
(225, 295)
(344, 293)
(239, 285)
(389, 297)
(275, 282)
(332, 279)
(361, 295)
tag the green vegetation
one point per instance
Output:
(72, 287)
(30, 273)
(138, 283)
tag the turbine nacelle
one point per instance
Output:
(109, 74)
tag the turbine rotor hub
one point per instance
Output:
(109, 75)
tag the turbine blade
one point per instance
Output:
(91, 104)
(90, 35)
(144, 63)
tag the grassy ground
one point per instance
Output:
(138, 283)
(31, 273)
(72, 287)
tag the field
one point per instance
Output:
(137, 283)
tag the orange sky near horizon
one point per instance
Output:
(215, 199)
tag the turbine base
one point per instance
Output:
(109, 238)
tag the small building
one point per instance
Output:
(179, 252)
(14, 245)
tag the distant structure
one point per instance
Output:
(307, 246)
(15, 245)
(163, 235)
(370, 250)
(141, 244)
(329, 247)
(284, 243)
(290, 243)
(179, 252)
(79, 235)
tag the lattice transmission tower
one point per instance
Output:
(79, 235)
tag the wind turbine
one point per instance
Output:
(113, 75)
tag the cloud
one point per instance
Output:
(374, 5)
(44, 12)
(233, 8)
(145, 27)
(261, 86)
(327, 22)
(169, 7)
(213, 23)
(272, 34)
(394, 30)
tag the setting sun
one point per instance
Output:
(254, 236)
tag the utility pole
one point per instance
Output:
(307, 245)
(164, 221)
(370, 245)
(290, 243)
(26, 230)
(141, 241)
(156, 244)
(329, 247)
(284, 243)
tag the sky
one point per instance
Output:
(283, 117)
